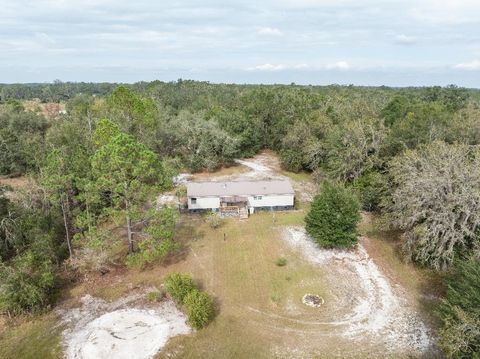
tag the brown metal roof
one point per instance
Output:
(240, 188)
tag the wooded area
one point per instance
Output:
(409, 154)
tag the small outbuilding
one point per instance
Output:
(240, 197)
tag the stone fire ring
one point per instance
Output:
(312, 300)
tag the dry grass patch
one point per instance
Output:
(32, 338)
(15, 183)
(241, 274)
(232, 170)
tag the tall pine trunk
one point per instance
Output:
(65, 211)
(129, 225)
(130, 235)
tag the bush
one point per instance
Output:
(333, 217)
(151, 250)
(199, 308)
(292, 160)
(156, 295)
(198, 305)
(275, 298)
(371, 188)
(27, 284)
(214, 220)
(179, 285)
(460, 312)
(281, 262)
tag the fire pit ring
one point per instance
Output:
(313, 300)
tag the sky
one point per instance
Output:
(361, 42)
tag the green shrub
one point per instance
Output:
(199, 308)
(291, 160)
(281, 262)
(156, 295)
(460, 312)
(179, 285)
(160, 244)
(27, 283)
(333, 217)
(214, 220)
(371, 188)
(150, 251)
(198, 305)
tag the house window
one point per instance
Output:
(193, 200)
(257, 198)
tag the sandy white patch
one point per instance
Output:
(374, 308)
(113, 330)
(255, 166)
(181, 178)
(264, 166)
(166, 199)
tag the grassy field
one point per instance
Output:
(259, 310)
(31, 338)
(240, 272)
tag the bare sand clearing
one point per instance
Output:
(371, 308)
(267, 166)
(104, 330)
(258, 169)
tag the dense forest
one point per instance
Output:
(411, 155)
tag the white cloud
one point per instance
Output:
(269, 31)
(278, 67)
(403, 39)
(268, 67)
(471, 66)
(339, 65)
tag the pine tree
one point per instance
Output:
(333, 217)
(128, 171)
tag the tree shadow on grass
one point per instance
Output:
(185, 233)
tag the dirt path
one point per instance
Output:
(369, 309)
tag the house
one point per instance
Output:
(240, 197)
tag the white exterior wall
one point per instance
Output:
(204, 203)
(271, 200)
(266, 201)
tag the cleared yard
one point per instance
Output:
(260, 308)
(260, 313)
(242, 275)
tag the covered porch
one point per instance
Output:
(234, 206)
